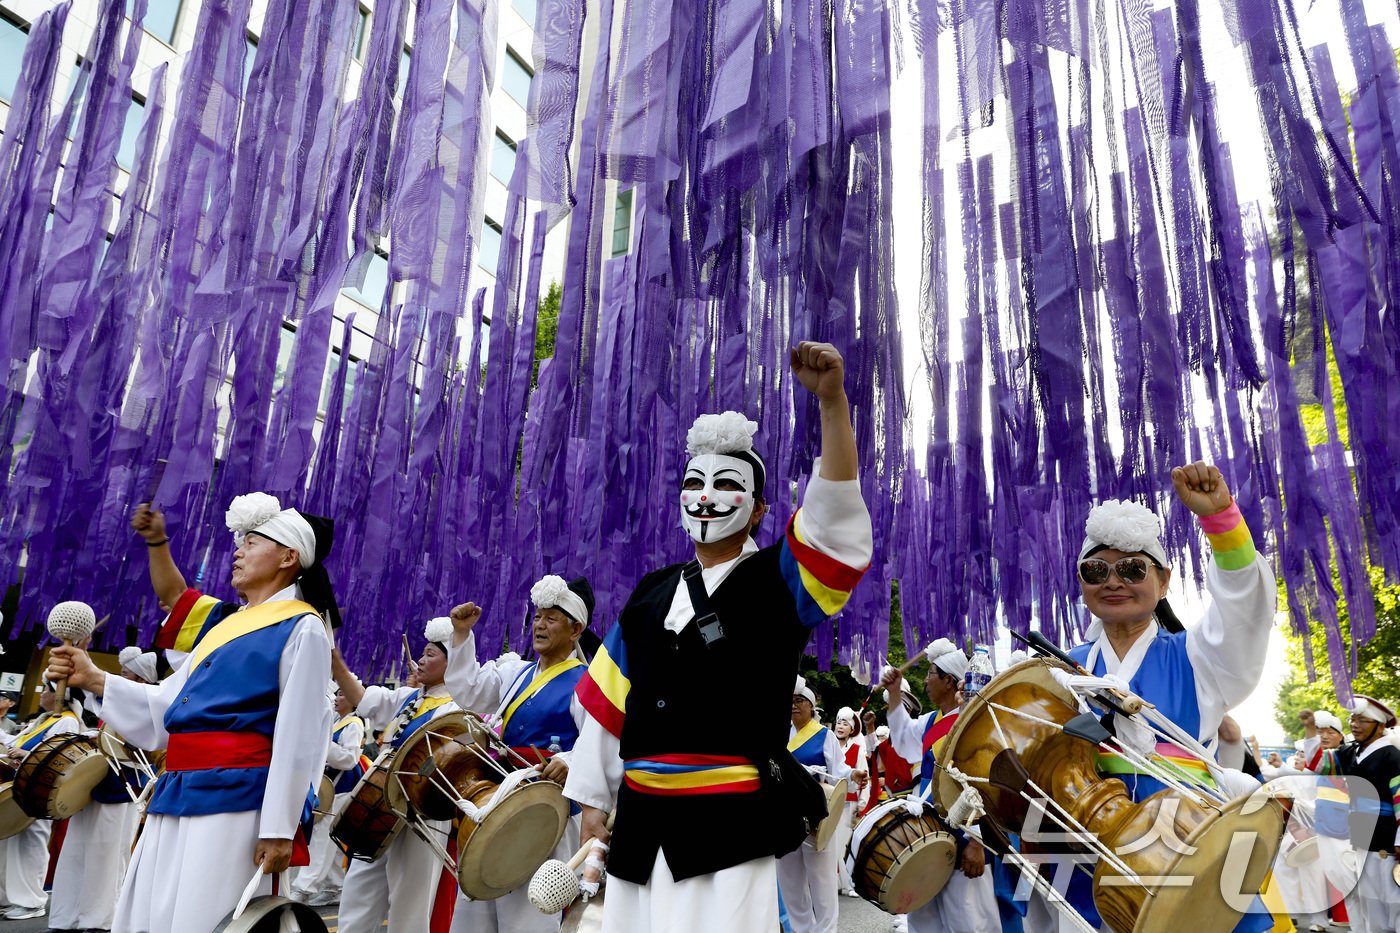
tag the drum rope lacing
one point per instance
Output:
(512, 780)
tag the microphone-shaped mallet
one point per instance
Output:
(554, 885)
(70, 622)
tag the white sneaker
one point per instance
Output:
(15, 912)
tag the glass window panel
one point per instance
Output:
(502, 159)
(622, 223)
(371, 293)
(526, 9)
(12, 40)
(161, 18)
(131, 128)
(248, 56)
(361, 34)
(489, 250)
(516, 79)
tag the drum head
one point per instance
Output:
(13, 820)
(1304, 853)
(835, 810)
(73, 791)
(1233, 851)
(1395, 874)
(1036, 673)
(501, 853)
(267, 915)
(325, 796)
(918, 874)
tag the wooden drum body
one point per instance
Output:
(368, 823)
(901, 860)
(1163, 839)
(502, 852)
(57, 778)
(445, 753)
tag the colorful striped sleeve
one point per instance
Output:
(819, 583)
(190, 618)
(602, 691)
(1229, 538)
(1395, 797)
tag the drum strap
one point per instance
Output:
(203, 751)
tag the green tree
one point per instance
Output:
(546, 328)
(1377, 662)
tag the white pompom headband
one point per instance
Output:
(1124, 526)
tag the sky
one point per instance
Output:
(1319, 22)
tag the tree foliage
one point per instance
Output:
(546, 328)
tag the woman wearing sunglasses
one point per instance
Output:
(1192, 675)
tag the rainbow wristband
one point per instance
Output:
(1229, 538)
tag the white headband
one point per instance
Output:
(258, 512)
(804, 691)
(438, 630)
(551, 592)
(947, 657)
(846, 714)
(1325, 720)
(142, 665)
(1371, 709)
(1124, 526)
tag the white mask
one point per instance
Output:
(711, 514)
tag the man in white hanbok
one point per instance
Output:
(244, 723)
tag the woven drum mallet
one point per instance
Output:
(70, 622)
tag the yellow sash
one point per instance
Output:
(345, 722)
(245, 622)
(803, 734)
(536, 684)
(41, 727)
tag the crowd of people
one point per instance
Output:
(262, 727)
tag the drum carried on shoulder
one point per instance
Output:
(455, 767)
(57, 777)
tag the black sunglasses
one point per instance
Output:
(1094, 571)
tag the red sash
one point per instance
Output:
(201, 751)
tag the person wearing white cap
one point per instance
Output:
(852, 744)
(1323, 732)
(243, 721)
(807, 876)
(319, 883)
(401, 886)
(538, 714)
(967, 904)
(24, 857)
(1374, 903)
(97, 846)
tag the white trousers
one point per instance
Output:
(840, 841)
(91, 865)
(24, 861)
(188, 872)
(399, 886)
(320, 881)
(514, 913)
(965, 905)
(1374, 904)
(807, 879)
(742, 899)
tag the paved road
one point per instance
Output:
(857, 916)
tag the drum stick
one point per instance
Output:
(408, 655)
(903, 669)
(1123, 702)
(587, 846)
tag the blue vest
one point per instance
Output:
(235, 689)
(348, 778)
(813, 751)
(546, 713)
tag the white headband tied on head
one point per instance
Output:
(804, 691)
(142, 664)
(1124, 526)
(552, 592)
(1372, 709)
(845, 714)
(258, 512)
(1325, 720)
(947, 657)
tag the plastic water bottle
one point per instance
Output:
(979, 672)
(554, 746)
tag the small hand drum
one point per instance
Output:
(902, 861)
(835, 810)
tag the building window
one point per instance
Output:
(622, 223)
(516, 79)
(162, 16)
(526, 9)
(489, 250)
(12, 39)
(502, 158)
(361, 34)
(376, 284)
(131, 128)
